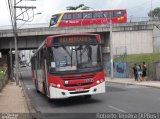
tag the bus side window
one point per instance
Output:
(45, 54)
(54, 19)
(67, 16)
(118, 13)
(107, 14)
(33, 63)
(77, 15)
(50, 56)
(97, 14)
(87, 15)
(41, 59)
(98, 54)
(38, 60)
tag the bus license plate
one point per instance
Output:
(79, 89)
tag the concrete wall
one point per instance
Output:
(156, 39)
(134, 42)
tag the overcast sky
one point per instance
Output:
(135, 8)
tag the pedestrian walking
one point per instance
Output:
(139, 69)
(135, 72)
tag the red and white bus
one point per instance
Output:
(88, 17)
(69, 65)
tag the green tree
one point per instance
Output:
(79, 7)
(154, 13)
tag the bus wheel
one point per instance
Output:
(44, 88)
(36, 85)
(37, 90)
(88, 96)
(50, 100)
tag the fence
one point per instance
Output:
(156, 71)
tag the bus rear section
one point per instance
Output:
(73, 66)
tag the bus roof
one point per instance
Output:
(75, 11)
(49, 39)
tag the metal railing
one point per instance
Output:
(38, 25)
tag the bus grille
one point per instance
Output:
(76, 77)
(82, 84)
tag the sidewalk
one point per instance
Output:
(131, 81)
(12, 99)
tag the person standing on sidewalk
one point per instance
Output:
(144, 70)
(135, 72)
(139, 69)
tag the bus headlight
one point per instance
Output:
(98, 81)
(58, 85)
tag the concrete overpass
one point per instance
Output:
(130, 38)
(144, 35)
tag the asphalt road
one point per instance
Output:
(118, 98)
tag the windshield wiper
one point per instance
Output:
(66, 50)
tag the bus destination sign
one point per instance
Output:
(75, 39)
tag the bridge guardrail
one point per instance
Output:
(43, 25)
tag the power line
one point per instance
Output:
(11, 14)
(14, 18)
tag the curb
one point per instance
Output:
(127, 83)
(27, 100)
(31, 109)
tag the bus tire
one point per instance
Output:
(44, 88)
(37, 90)
(50, 100)
(36, 85)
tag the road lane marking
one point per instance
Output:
(115, 108)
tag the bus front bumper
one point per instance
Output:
(56, 93)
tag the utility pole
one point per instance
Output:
(16, 48)
(151, 9)
(11, 66)
(111, 47)
(16, 34)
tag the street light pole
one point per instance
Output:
(111, 48)
(16, 48)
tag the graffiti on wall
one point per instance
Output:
(120, 69)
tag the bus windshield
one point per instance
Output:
(54, 20)
(75, 58)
